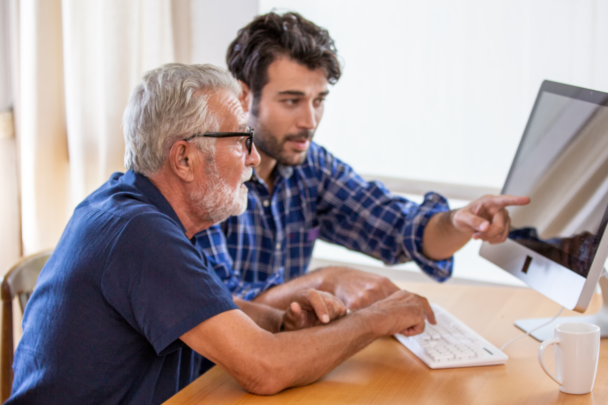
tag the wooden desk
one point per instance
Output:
(387, 373)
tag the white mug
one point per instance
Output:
(577, 350)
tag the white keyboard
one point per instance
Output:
(451, 344)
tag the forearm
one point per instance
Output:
(355, 288)
(281, 296)
(265, 363)
(326, 348)
(268, 364)
(441, 239)
(265, 317)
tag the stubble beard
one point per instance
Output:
(272, 147)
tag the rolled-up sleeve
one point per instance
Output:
(365, 217)
(433, 204)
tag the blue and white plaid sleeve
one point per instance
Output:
(212, 243)
(365, 217)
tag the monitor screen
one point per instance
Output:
(562, 165)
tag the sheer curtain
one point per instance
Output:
(76, 64)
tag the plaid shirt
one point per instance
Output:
(324, 198)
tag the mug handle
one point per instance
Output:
(541, 352)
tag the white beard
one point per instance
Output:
(218, 200)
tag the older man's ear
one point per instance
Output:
(183, 159)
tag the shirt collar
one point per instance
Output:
(282, 170)
(153, 195)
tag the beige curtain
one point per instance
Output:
(77, 61)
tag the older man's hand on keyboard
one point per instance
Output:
(403, 312)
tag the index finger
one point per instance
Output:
(335, 307)
(506, 200)
(428, 310)
(318, 305)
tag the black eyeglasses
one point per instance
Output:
(248, 133)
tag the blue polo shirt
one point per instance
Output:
(122, 286)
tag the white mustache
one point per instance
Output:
(246, 174)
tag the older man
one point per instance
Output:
(301, 192)
(126, 299)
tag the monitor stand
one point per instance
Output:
(600, 318)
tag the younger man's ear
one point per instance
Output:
(245, 97)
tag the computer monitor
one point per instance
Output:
(557, 244)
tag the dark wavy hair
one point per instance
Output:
(271, 36)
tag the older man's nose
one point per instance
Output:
(253, 159)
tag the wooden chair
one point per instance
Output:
(18, 282)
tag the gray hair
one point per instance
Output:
(164, 108)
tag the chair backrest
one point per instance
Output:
(18, 282)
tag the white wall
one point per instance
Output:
(215, 24)
(441, 90)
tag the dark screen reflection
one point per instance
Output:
(575, 253)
